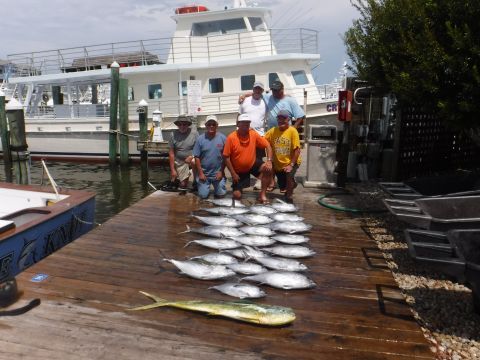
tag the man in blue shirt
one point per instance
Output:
(209, 163)
(276, 101)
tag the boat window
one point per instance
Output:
(272, 77)
(215, 85)
(300, 77)
(131, 95)
(184, 88)
(246, 82)
(256, 23)
(219, 27)
(154, 91)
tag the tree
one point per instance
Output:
(427, 52)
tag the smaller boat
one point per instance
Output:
(35, 222)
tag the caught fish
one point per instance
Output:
(219, 244)
(262, 210)
(254, 313)
(281, 216)
(290, 251)
(257, 230)
(283, 264)
(227, 202)
(217, 258)
(287, 280)
(247, 268)
(253, 219)
(254, 240)
(221, 210)
(283, 206)
(215, 231)
(290, 227)
(246, 252)
(200, 271)
(291, 239)
(218, 220)
(242, 291)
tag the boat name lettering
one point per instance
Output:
(332, 107)
(63, 235)
(5, 262)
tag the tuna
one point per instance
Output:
(215, 231)
(283, 280)
(200, 271)
(290, 227)
(242, 291)
(290, 251)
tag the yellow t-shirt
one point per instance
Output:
(283, 145)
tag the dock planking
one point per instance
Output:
(355, 312)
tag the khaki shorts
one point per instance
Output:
(183, 170)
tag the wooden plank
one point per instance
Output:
(356, 310)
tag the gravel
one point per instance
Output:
(443, 308)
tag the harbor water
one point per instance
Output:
(116, 187)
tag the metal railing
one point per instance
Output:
(166, 50)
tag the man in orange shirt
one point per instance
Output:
(240, 158)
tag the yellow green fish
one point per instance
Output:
(249, 312)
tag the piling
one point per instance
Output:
(123, 112)
(114, 85)
(143, 136)
(18, 142)
(5, 138)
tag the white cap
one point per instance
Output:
(244, 117)
(211, 118)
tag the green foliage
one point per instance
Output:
(427, 52)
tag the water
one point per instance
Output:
(116, 187)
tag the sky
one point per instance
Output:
(57, 24)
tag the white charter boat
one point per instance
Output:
(212, 57)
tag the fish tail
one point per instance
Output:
(158, 302)
(186, 231)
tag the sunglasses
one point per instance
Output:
(183, 124)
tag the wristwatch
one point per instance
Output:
(268, 159)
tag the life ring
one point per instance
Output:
(45, 98)
(190, 9)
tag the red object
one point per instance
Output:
(345, 105)
(190, 9)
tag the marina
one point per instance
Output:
(355, 310)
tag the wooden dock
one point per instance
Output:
(355, 312)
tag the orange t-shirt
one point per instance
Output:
(242, 151)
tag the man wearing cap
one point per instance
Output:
(240, 159)
(208, 153)
(285, 143)
(277, 100)
(180, 154)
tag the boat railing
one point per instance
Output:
(166, 50)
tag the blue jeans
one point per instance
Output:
(219, 187)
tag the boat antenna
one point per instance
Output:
(52, 182)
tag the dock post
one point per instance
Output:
(123, 112)
(143, 136)
(5, 138)
(18, 142)
(114, 84)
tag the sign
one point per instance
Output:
(194, 97)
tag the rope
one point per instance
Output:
(85, 222)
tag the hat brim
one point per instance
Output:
(176, 122)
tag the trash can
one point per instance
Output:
(321, 156)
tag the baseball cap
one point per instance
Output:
(284, 114)
(258, 84)
(244, 117)
(211, 118)
(183, 118)
(277, 85)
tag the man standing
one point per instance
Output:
(240, 159)
(277, 101)
(285, 143)
(209, 162)
(180, 154)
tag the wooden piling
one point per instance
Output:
(5, 138)
(143, 136)
(18, 143)
(114, 84)
(123, 112)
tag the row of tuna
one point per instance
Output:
(261, 243)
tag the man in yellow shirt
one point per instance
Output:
(285, 143)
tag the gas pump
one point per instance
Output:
(156, 130)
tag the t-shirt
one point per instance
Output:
(242, 151)
(283, 144)
(182, 144)
(274, 105)
(210, 153)
(256, 110)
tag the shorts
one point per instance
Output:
(282, 177)
(219, 187)
(183, 170)
(244, 181)
(260, 154)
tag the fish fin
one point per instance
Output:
(186, 231)
(153, 297)
(188, 243)
(158, 302)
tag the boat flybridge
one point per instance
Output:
(213, 56)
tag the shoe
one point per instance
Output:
(219, 196)
(283, 191)
(271, 188)
(258, 185)
(263, 202)
(288, 199)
